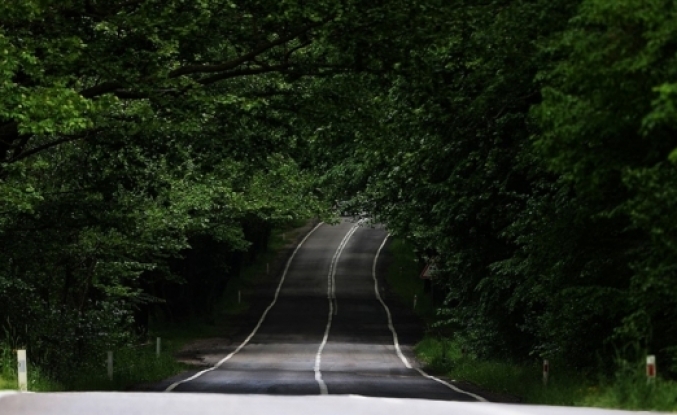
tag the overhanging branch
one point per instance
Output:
(243, 72)
(191, 69)
(54, 143)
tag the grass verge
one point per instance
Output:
(627, 389)
(445, 357)
(131, 366)
(8, 374)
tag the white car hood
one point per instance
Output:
(131, 403)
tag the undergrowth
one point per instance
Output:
(523, 382)
(403, 278)
(37, 381)
(627, 389)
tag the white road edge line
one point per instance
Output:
(396, 342)
(331, 296)
(258, 325)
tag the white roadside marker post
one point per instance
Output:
(651, 369)
(158, 346)
(23, 370)
(546, 372)
(109, 362)
(415, 298)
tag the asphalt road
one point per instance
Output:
(326, 331)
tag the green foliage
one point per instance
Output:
(627, 388)
(511, 381)
(37, 380)
(529, 148)
(630, 390)
(132, 366)
(607, 130)
(402, 277)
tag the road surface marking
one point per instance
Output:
(263, 317)
(331, 296)
(395, 339)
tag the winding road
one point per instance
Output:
(327, 330)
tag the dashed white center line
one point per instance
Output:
(333, 307)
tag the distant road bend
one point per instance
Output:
(327, 330)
